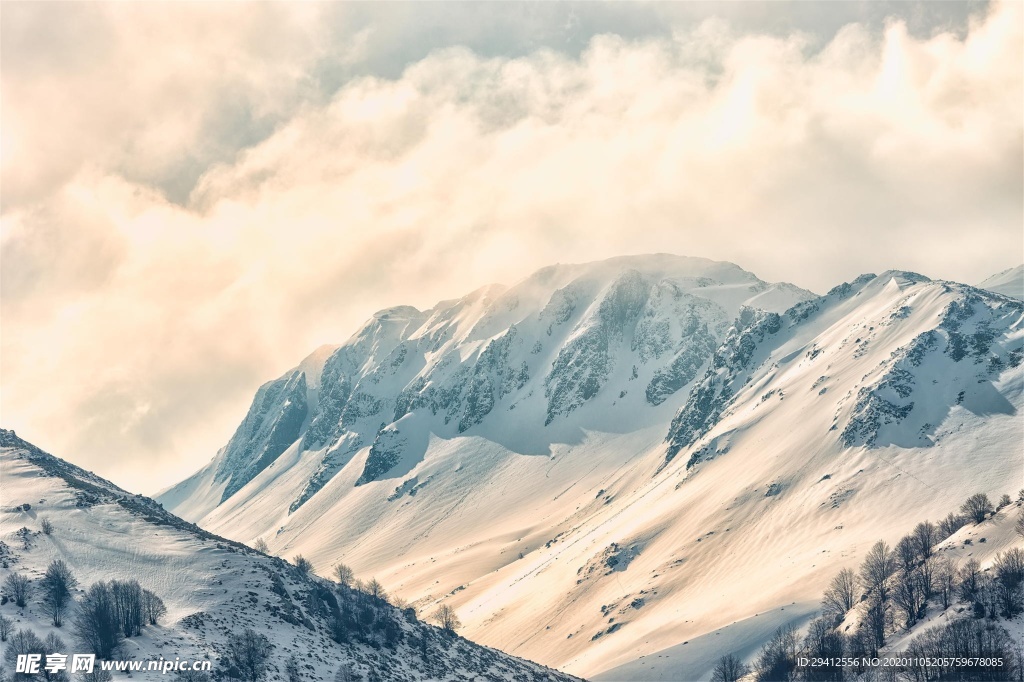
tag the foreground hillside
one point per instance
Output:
(212, 587)
(607, 462)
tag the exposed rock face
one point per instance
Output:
(385, 453)
(697, 344)
(728, 371)
(573, 336)
(274, 422)
(970, 343)
(513, 442)
(636, 330)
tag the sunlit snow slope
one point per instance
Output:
(609, 460)
(1009, 282)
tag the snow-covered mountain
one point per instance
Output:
(571, 347)
(607, 461)
(212, 587)
(1009, 282)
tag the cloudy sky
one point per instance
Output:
(197, 195)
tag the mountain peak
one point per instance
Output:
(597, 430)
(590, 345)
(655, 265)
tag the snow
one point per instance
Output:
(1009, 282)
(509, 519)
(104, 533)
(695, 659)
(987, 539)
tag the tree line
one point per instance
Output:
(889, 594)
(445, 616)
(355, 611)
(108, 612)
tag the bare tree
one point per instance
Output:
(823, 642)
(345, 674)
(875, 622)
(927, 569)
(54, 644)
(841, 594)
(303, 564)
(951, 524)
(261, 546)
(777, 658)
(1009, 570)
(925, 536)
(6, 628)
(17, 587)
(729, 669)
(906, 553)
(446, 617)
(1004, 501)
(909, 595)
(96, 623)
(945, 580)
(976, 507)
(247, 654)
(344, 575)
(153, 608)
(57, 585)
(45, 526)
(878, 567)
(985, 641)
(969, 578)
(23, 642)
(127, 597)
(859, 645)
(1019, 526)
(376, 589)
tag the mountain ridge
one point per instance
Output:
(813, 419)
(214, 586)
(1009, 282)
(323, 418)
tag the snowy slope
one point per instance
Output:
(981, 542)
(594, 515)
(691, 660)
(1008, 282)
(211, 586)
(560, 349)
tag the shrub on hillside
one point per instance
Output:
(977, 507)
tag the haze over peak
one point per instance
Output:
(183, 244)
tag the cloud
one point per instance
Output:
(189, 210)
